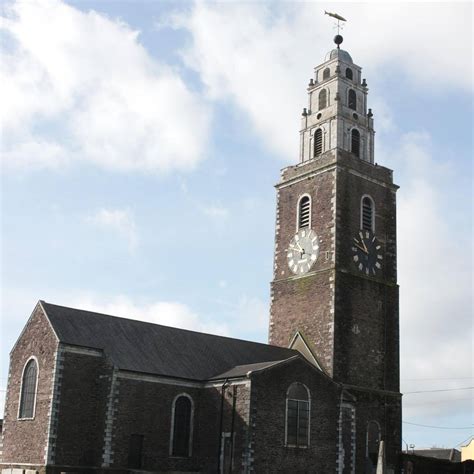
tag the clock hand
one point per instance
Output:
(363, 249)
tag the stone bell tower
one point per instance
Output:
(334, 289)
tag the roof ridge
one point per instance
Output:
(45, 304)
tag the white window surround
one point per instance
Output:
(21, 389)
(361, 211)
(309, 417)
(191, 425)
(298, 211)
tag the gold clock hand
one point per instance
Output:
(363, 249)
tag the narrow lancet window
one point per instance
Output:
(323, 99)
(181, 426)
(373, 440)
(304, 212)
(367, 213)
(326, 73)
(28, 390)
(318, 142)
(349, 73)
(352, 99)
(355, 142)
(297, 416)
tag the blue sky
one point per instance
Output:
(141, 142)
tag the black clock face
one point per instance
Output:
(367, 253)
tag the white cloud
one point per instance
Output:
(120, 221)
(256, 56)
(168, 313)
(216, 211)
(435, 275)
(80, 86)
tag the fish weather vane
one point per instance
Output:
(339, 26)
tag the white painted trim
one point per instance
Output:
(21, 388)
(298, 335)
(373, 211)
(309, 416)
(298, 210)
(241, 380)
(82, 350)
(191, 425)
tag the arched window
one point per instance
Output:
(326, 73)
(349, 73)
(304, 212)
(373, 440)
(297, 415)
(367, 213)
(318, 142)
(323, 99)
(28, 390)
(181, 426)
(355, 142)
(352, 99)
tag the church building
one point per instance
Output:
(90, 392)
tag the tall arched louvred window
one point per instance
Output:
(355, 142)
(352, 99)
(28, 390)
(304, 212)
(318, 142)
(323, 99)
(326, 73)
(181, 429)
(367, 213)
(349, 73)
(297, 416)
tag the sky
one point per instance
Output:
(140, 143)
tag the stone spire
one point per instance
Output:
(337, 116)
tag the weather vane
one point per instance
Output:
(339, 26)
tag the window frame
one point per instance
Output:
(314, 142)
(328, 75)
(298, 211)
(191, 426)
(349, 99)
(326, 99)
(308, 435)
(371, 199)
(351, 78)
(355, 129)
(21, 389)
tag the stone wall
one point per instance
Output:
(268, 418)
(26, 441)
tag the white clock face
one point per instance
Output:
(303, 251)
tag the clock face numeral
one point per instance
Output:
(367, 253)
(303, 251)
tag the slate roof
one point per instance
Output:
(160, 350)
(242, 370)
(440, 453)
